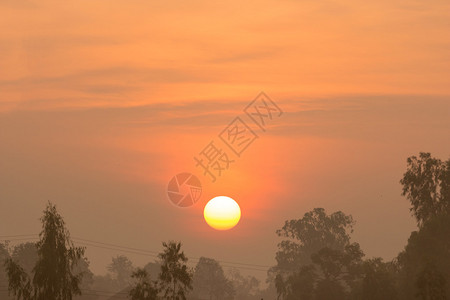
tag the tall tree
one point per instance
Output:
(305, 236)
(4, 255)
(153, 269)
(53, 276)
(175, 277)
(144, 288)
(298, 285)
(209, 281)
(338, 270)
(245, 287)
(426, 184)
(121, 268)
(377, 281)
(429, 245)
(87, 280)
(431, 284)
(26, 255)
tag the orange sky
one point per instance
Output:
(101, 102)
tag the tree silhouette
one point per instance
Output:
(175, 278)
(4, 255)
(245, 287)
(26, 255)
(209, 281)
(431, 283)
(378, 281)
(53, 276)
(328, 289)
(318, 256)
(426, 184)
(309, 234)
(338, 267)
(429, 245)
(87, 280)
(299, 285)
(121, 268)
(144, 288)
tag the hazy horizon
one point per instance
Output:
(102, 102)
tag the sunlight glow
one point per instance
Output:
(222, 213)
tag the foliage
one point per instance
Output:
(318, 253)
(175, 278)
(378, 281)
(316, 230)
(426, 184)
(429, 245)
(4, 255)
(245, 287)
(26, 255)
(121, 268)
(209, 281)
(144, 288)
(19, 281)
(53, 276)
(299, 285)
(337, 267)
(431, 284)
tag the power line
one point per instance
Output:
(21, 239)
(155, 256)
(154, 252)
(144, 252)
(117, 246)
(191, 258)
(17, 235)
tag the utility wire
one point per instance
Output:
(150, 253)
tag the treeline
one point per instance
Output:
(54, 268)
(316, 259)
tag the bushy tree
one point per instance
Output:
(298, 285)
(305, 236)
(431, 284)
(317, 253)
(53, 276)
(4, 255)
(426, 184)
(377, 281)
(209, 281)
(429, 245)
(338, 271)
(121, 269)
(245, 287)
(144, 288)
(26, 255)
(175, 278)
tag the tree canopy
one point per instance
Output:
(209, 281)
(426, 184)
(53, 276)
(175, 278)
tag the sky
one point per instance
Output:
(102, 102)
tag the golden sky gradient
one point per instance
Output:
(101, 102)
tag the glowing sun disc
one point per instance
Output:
(222, 213)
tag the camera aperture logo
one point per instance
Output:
(184, 189)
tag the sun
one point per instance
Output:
(222, 213)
